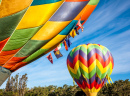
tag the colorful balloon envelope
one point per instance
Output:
(31, 28)
(90, 66)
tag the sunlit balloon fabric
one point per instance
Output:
(0, 2)
(31, 28)
(90, 66)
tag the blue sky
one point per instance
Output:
(108, 25)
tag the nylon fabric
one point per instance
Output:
(4, 74)
(49, 30)
(11, 7)
(35, 2)
(35, 16)
(90, 65)
(48, 38)
(8, 24)
(20, 35)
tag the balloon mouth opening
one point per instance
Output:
(91, 93)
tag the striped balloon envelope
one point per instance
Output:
(90, 66)
(31, 28)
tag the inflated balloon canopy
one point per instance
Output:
(31, 28)
(90, 66)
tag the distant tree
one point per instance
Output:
(8, 84)
(118, 88)
(12, 84)
(22, 84)
(65, 86)
(16, 83)
(16, 86)
(1, 92)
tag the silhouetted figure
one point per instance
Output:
(80, 93)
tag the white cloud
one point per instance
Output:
(104, 16)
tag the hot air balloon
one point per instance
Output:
(31, 28)
(90, 66)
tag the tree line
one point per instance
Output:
(17, 86)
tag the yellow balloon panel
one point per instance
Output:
(9, 7)
(54, 41)
(50, 29)
(38, 15)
